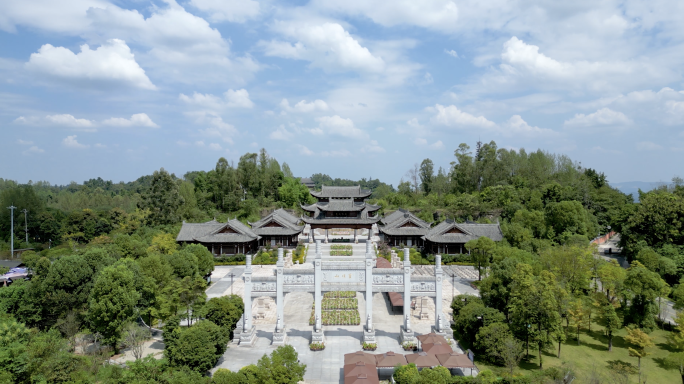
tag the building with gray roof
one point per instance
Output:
(449, 237)
(232, 237)
(403, 227)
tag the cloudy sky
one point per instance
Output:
(351, 88)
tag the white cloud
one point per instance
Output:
(67, 120)
(648, 146)
(33, 150)
(70, 142)
(338, 126)
(237, 11)
(328, 46)
(136, 120)
(316, 105)
(304, 150)
(428, 78)
(215, 147)
(451, 53)
(281, 133)
(336, 153)
(111, 63)
(414, 123)
(517, 127)
(231, 99)
(603, 116)
(217, 128)
(24, 142)
(437, 145)
(441, 15)
(421, 141)
(373, 147)
(523, 66)
(451, 116)
(57, 16)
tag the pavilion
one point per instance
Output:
(341, 207)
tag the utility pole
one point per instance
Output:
(26, 223)
(231, 282)
(12, 208)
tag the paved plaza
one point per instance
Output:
(326, 366)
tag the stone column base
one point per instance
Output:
(317, 337)
(279, 338)
(248, 339)
(407, 336)
(443, 333)
(368, 336)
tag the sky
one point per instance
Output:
(117, 89)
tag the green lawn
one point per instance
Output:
(592, 354)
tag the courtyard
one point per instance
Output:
(326, 366)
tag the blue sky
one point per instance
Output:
(352, 88)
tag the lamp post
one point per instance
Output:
(231, 282)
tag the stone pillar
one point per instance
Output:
(406, 331)
(356, 240)
(369, 331)
(248, 335)
(438, 328)
(313, 236)
(317, 334)
(280, 336)
(326, 235)
(370, 232)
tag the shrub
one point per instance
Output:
(315, 346)
(198, 347)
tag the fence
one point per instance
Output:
(602, 239)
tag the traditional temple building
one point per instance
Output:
(401, 227)
(341, 207)
(280, 227)
(449, 237)
(220, 238)
(234, 237)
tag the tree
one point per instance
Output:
(134, 336)
(611, 322)
(640, 342)
(511, 353)
(480, 250)
(163, 243)
(205, 260)
(286, 171)
(282, 366)
(491, 341)
(571, 265)
(612, 277)
(112, 302)
(642, 287)
(427, 175)
(676, 339)
(198, 347)
(66, 287)
(224, 311)
(292, 193)
(163, 198)
(436, 375)
(676, 361)
(405, 374)
(578, 316)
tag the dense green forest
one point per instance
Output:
(105, 257)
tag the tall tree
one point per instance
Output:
(427, 176)
(112, 302)
(163, 198)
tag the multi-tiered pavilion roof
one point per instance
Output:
(341, 207)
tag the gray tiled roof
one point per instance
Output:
(208, 232)
(342, 192)
(320, 208)
(470, 231)
(392, 224)
(288, 224)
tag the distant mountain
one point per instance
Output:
(633, 187)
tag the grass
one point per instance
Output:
(592, 354)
